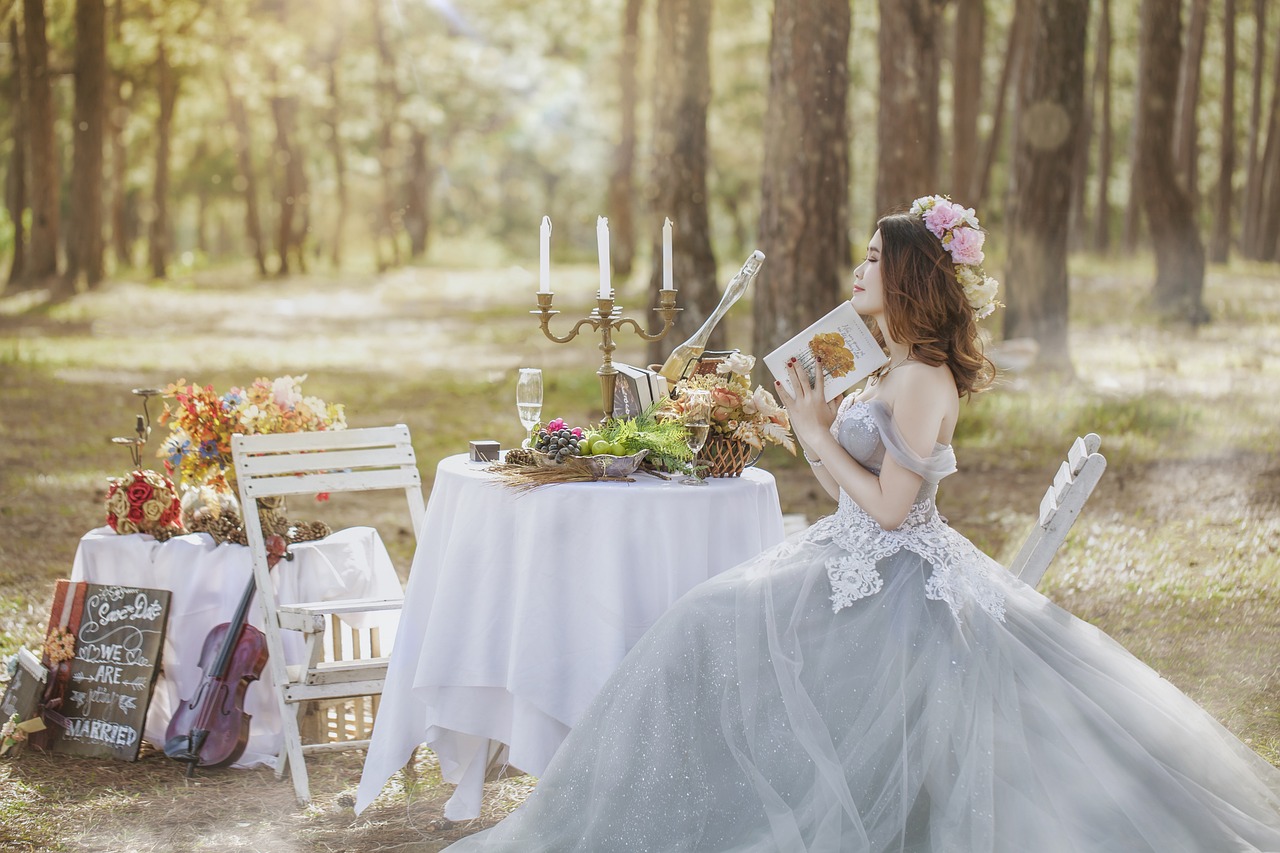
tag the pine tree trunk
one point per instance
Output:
(1220, 242)
(15, 188)
(388, 108)
(967, 80)
(1013, 52)
(682, 91)
(1178, 293)
(1080, 169)
(1268, 241)
(84, 226)
(1051, 106)
(333, 119)
(806, 167)
(621, 202)
(1185, 147)
(41, 267)
(159, 236)
(244, 159)
(417, 210)
(1253, 180)
(907, 159)
(1102, 208)
(284, 110)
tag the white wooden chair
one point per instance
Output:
(1059, 508)
(308, 463)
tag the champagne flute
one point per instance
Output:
(697, 424)
(529, 401)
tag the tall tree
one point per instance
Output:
(967, 99)
(15, 188)
(1102, 82)
(806, 167)
(620, 204)
(1252, 179)
(84, 226)
(1050, 128)
(248, 178)
(682, 91)
(1185, 146)
(41, 265)
(1179, 287)
(160, 235)
(337, 148)
(117, 115)
(1266, 240)
(1015, 50)
(908, 140)
(417, 191)
(387, 98)
(1220, 241)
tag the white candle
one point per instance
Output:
(602, 242)
(666, 255)
(544, 256)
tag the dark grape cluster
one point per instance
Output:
(559, 443)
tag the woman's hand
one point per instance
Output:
(811, 415)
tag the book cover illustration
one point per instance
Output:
(848, 350)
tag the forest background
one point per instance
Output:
(352, 188)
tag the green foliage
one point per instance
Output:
(663, 438)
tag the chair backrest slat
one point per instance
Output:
(1059, 508)
(332, 481)
(326, 439)
(307, 462)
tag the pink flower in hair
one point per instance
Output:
(966, 246)
(943, 217)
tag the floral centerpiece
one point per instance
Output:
(202, 421)
(752, 419)
(144, 502)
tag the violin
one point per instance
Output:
(211, 729)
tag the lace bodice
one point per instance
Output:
(961, 573)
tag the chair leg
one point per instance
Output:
(292, 752)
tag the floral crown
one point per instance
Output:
(961, 235)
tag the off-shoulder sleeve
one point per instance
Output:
(932, 469)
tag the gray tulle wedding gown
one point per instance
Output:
(856, 689)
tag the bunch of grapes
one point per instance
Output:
(558, 440)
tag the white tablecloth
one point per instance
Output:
(207, 580)
(525, 603)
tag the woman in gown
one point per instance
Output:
(875, 683)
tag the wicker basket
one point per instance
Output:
(726, 457)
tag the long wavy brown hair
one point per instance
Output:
(925, 307)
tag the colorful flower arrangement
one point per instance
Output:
(143, 502)
(737, 412)
(201, 423)
(962, 236)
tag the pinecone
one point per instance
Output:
(308, 531)
(164, 534)
(521, 456)
(223, 528)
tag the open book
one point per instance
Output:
(849, 352)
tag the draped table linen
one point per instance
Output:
(520, 605)
(207, 581)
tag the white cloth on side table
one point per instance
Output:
(207, 581)
(524, 603)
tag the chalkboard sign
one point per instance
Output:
(119, 638)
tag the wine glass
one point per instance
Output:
(697, 423)
(529, 400)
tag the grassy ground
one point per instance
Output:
(1175, 555)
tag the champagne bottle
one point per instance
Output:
(680, 357)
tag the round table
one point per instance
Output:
(520, 605)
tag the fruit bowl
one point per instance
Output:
(600, 466)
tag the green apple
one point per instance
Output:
(601, 446)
